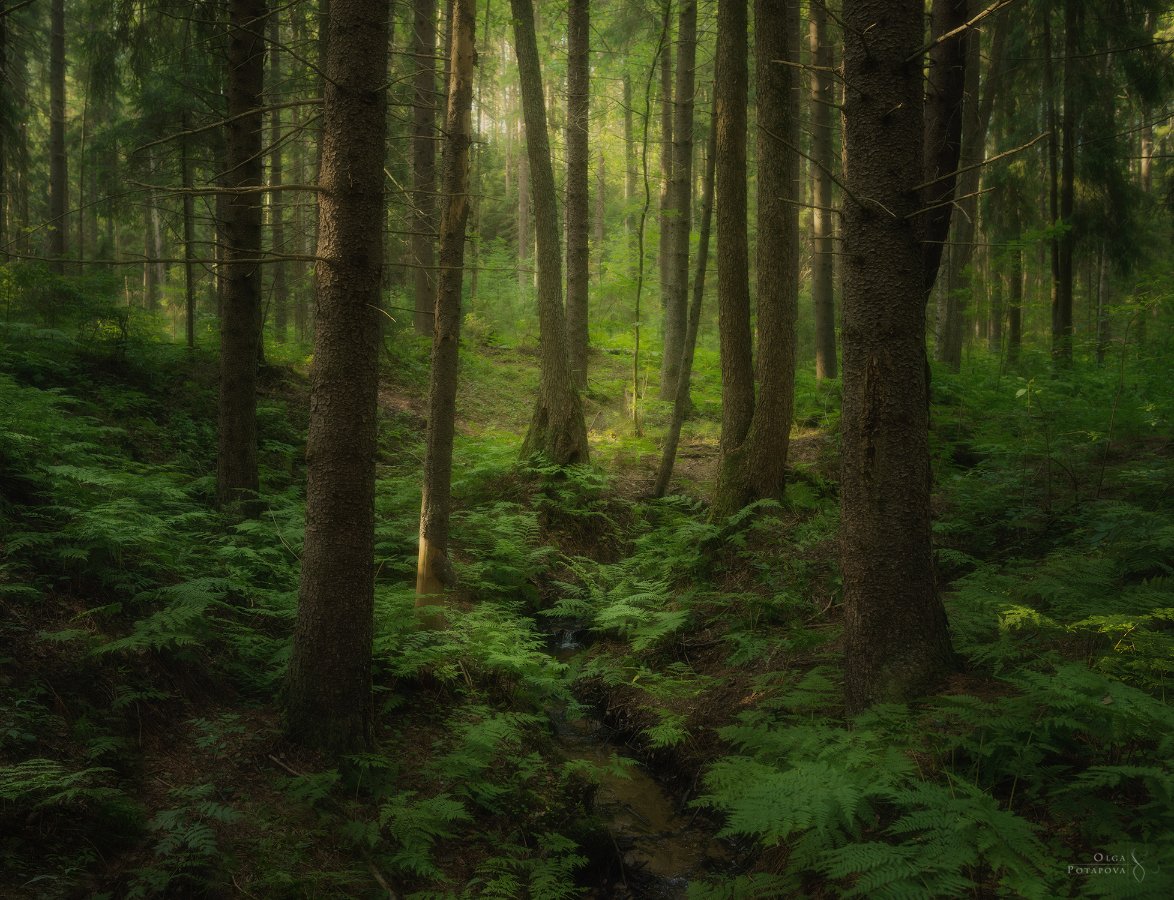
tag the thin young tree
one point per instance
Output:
(682, 402)
(237, 481)
(434, 571)
(578, 250)
(328, 704)
(896, 640)
(557, 429)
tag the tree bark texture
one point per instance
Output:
(58, 169)
(329, 698)
(557, 429)
(434, 571)
(679, 219)
(823, 98)
(1062, 308)
(578, 163)
(279, 287)
(755, 469)
(670, 321)
(424, 163)
(944, 94)
(681, 402)
(896, 641)
(240, 317)
(733, 255)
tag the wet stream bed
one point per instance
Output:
(659, 848)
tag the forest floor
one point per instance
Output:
(145, 637)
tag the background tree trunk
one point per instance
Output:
(679, 221)
(755, 469)
(896, 642)
(1062, 309)
(672, 324)
(557, 429)
(733, 255)
(424, 163)
(578, 209)
(329, 698)
(276, 208)
(822, 217)
(240, 315)
(434, 571)
(682, 402)
(58, 169)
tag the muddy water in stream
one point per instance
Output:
(660, 849)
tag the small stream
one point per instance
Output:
(658, 848)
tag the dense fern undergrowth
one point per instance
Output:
(143, 640)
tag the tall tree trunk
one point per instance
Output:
(896, 640)
(189, 235)
(329, 697)
(58, 171)
(280, 291)
(822, 216)
(672, 308)
(679, 221)
(424, 162)
(755, 469)
(629, 155)
(733, 255)
(525, 239)
(1062, 308)
(557, 429)
(944, 99)
(578, 251)
(681, 402)
(240, 318)
(600, 215)
(1015, 299)
(6, 103)
(434, 571)
(475, 275)
(1104, 324)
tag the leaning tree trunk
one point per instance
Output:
(822, 214)
(434, 571)
(329, 698)
(682, 403)
(754, 469)
(733, 255)
(578, 251)
(424, 163)
(557, 429)
(679, 222)
(896, 641)
(58, 172)
(240, 315)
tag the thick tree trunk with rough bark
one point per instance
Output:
(240, 316)
(822, 216)
(557, 429)
(733, 255)
(434, 572)
(58, 171)
(578, 162)
(754, 469)
(679, 222)
(329, 698)
(1062, 306)
(896, 640)
(424, 163)
(681, 402)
